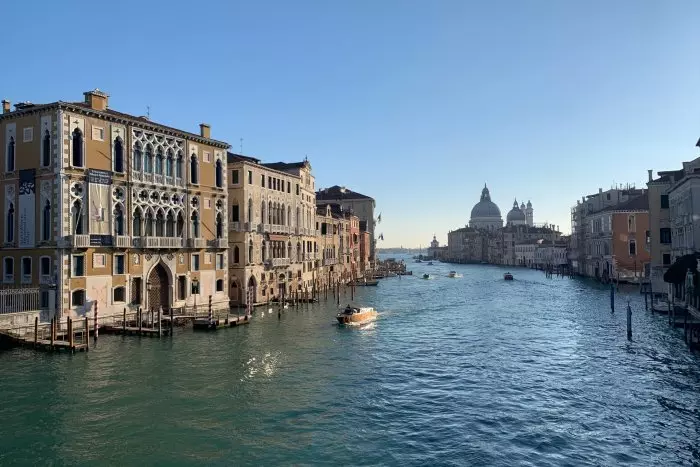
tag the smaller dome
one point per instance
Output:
(529, 204)
(515, 214)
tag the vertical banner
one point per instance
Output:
(99, 182)
(27, 217)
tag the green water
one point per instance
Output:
(467, 371)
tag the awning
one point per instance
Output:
(279, 238)
(675, 274)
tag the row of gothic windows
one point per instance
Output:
(45, 223)
(276, 250)
(45, 152)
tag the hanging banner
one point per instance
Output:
(27, 217)
(99, 183)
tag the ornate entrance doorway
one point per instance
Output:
(158, 288)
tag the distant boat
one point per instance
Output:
(366, 283)
(430, 263)
(454, 274)
(354, 315)
(427, 276)
(508, 276)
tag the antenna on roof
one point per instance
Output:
(241, 146)
(148, 112)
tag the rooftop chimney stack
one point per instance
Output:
(6, 106)
(96, 99)
(205, 130)
(650, 176)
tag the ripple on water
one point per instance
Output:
(474, 371)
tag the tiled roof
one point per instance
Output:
(284, 166)
(339, 193)
(640, 203)
(232, 157)
(144, 121)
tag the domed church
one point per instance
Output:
(485, 213)
(522, 215)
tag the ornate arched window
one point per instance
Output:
(118, 154)
(118, 220)
(46, 221)
(219, 226)
(46, 149)
(169, 164)
(160, 224)
(10, 160)
(148, 224)
(148, 160)
(250, 210)
(250, 251)
(195, 225)
(178, 165)
(194, 169)
(78, 148)
(136, 227)
(137, 158)
(10, 224)
(236, 255)
(170, 225)
(219, 176)
(180, 225)
(159, 162)
(263, 210)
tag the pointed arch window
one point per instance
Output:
(178, 165)
(118, 220)
(195, 225)
(78, 148)
(250, 210)
(219, 174)
(170, 225)
(46, 221)
(194, 169)
(148, 160)
(180, 225)
(236, 255)
(138, 158)
(169, 164)
(10, 160)
(160, 224)
(262, 212)
(118, 154)
(269, 212)
(250, 251)
(77, 215)
(219, 226)
(46, 149)
(148, 224)
(289, 250)
(10, 224)
(136, 227)
(159, 161)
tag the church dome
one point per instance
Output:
(515, 214)
(485, 207)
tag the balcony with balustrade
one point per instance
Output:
(196, 243)
(280, 262)
(280, 229)
(330, 261)
(218, 243)
(234, 226)
(122, 241)
(78, 241)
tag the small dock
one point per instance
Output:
(205, 324)
(71, 336)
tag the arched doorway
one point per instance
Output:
(252, 289)
(158, 288)
(235, 293)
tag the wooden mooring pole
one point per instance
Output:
(70, 334)
(612, 298)
(160, 322)
(86, 333)
(53, 331)
(96, 327)
(124, 321)
(36, 330)
(629, 322)
(140, 316)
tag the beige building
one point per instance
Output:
(360, 205)
(102, 206)
(272, 233)
(660, 225)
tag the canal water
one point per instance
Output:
(465, 371)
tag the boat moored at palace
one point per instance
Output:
(354, 315)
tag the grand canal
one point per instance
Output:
(467, 371)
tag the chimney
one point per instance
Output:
(650, 176)
(205, 130)
(5, 106)
(96, 99)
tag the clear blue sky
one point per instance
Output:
(416, 103)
